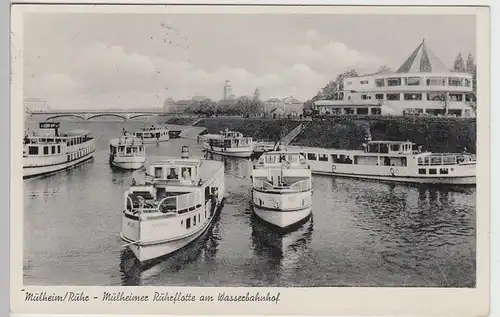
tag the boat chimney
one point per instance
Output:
(185, 152)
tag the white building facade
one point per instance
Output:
(421, 86)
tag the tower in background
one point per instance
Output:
(256, 95)
(228, 90)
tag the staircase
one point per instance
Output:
(285, 140)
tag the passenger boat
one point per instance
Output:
(175, 204)
(231, 143)
(127, 152)
(398, 161)
(282, 188)
(152, 134)
(47, 150)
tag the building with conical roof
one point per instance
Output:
(422, 85)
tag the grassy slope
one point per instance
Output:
(434, 134)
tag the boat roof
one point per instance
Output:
(150, 128)
(126, 140)
(284, 152)
(220, 136)
(388, 142)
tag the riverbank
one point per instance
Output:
(434, 134)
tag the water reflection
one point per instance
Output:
(203, 249)
(413, 224)
(279, 254)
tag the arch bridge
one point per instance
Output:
(125, 115)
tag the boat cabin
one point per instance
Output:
(153, 132)
(278, 159)
(176, 171)
(231, 134)
(127, 146)
(389, 147)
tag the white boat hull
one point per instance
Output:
(282, 218)
(130, 164)
(237, 152)
(460, 180)
(146, 252)
(154, 141)
(42, 170)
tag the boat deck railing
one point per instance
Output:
(169, 205)
(445, 159)
(299, 186)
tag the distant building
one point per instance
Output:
(287, 106)
(256, 95)
(228, 90)
(232, 97)
(423, 85)
(36, 105)
(199, 98)
(178, 106)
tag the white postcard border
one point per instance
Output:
(293, 301)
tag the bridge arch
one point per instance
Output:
(107, 115)
(64, 115)
(143, 115)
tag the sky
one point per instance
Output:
(89, 60)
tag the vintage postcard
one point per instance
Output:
(225, 159)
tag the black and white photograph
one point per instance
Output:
(260, 150)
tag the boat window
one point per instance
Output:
(422, 171)
(384, 148)
(454, 81)
(436, 81)
(33, 150)
(188, 223)
(129, 150)
(45, 150)
(58, 149)
(311, 156)
(158, 172)
(291, 159)
(379, 96)
(173, 173)
(186, 173)
(432, 171)
(194, 220)
(53, 149)
(134, 149)
(323, 158)
(334, 158)
(387, 161)
(394, 147)
(443, 171)
(412, 81)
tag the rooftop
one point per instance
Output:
(422, 59)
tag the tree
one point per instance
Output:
(471, 68)
(384, 69)
(459, 64)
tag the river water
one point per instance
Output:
(361, 233)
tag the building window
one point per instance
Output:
(432, 171)
(364, 82)
(33, 150)
(436, 81)
(362, 111)
(393, 97)
(323, 157)
(379, 96)
(396, 81)
(412, 81)
(422, 171)
(311, 156)
(380, 82)
(456, 97)
(454, 81)
(413, 96)
(435, 96)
